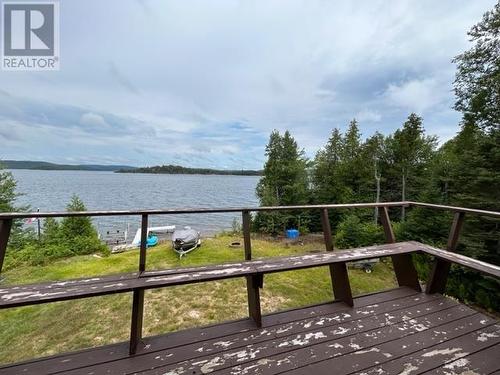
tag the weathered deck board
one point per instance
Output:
(281, 337)
(341, 347)
(443, 353)
(385, 333)
(83, 288)
(116, 352)
(472, 364)
(360, 361)
(354, 354)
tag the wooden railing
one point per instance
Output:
(402, 261)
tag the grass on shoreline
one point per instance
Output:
(34, 331)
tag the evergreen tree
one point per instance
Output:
(51, 233)
(284, 182)
(477, 81)
(76, 225)
(8, 196)
(352, 143)
(476, 177)
(328, 185)
(8, 193)
(326, 177)
(78, 234)
(423, 224)
(409, 153)
(372, 173)
(352, 164)
(268, 189)
(294, 177)
(475, 183)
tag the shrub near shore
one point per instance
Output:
(59, 239)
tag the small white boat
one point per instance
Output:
(136, 242)
(165, 229)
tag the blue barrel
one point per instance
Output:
(292, 233)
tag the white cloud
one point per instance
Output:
(93, 119)
(368, 115)
(419, 95)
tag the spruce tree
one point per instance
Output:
(477, 81)
(327, 181)
(284, 182)
(372, 175)
(8, 196)
(352, 164)
(78, 232)
(326, 176)
(409, 155)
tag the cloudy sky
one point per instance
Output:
(202, 83)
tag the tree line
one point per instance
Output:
(347, 169)
(178, 169)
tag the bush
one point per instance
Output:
(72, 236)
(236, 227)
(472, 287)
(40, 254)
(82, 245)
(351, 232)
(271, 222)
(277, 222)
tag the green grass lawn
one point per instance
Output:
(35, 331)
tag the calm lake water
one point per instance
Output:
(52, 190)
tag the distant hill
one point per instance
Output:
(43, 165)
(177, 169)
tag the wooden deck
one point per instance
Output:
(394, 332)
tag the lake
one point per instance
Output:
(52, 190)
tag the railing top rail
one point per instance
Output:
(207, 210)
(456, 209)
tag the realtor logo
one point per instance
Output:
(30, 35)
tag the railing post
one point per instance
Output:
(254, 282)
(138, 294)
(386, 224)
(440, 268)
(327, 230)
(405, 271)
(5, 227)
(144, 242)
(338, 271)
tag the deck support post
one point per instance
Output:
(138, 295)
(254, 282)
(405, 271)
(137, 318)
(338, 272)
(441, 268)
(5, 228)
